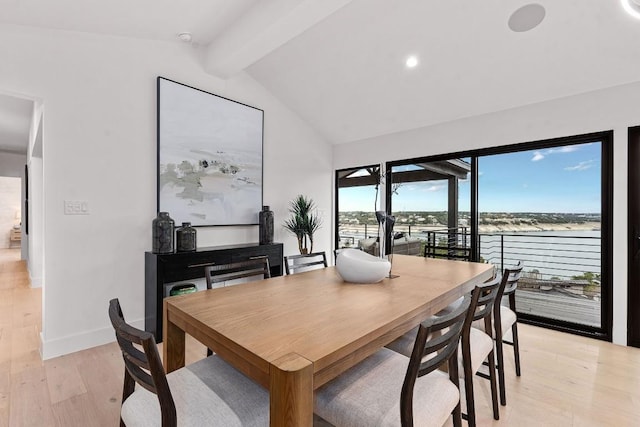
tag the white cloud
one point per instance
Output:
(581, 166)
(565, 149)
(537, 156)
(433, 188)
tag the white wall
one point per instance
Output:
(609, 109)
(12, 164)
(99, 145)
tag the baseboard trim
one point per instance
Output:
(72, 343)
(36, 282)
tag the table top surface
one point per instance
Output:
(319, 316)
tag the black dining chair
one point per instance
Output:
(208, 392)
(476, 345)
(389, 389)
(219, 273)
(300, 263)
(477, 348)
(505, 320)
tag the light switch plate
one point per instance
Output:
(76, 207)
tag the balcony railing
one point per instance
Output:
(561, 277)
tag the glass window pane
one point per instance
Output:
(358, 197)
(544, 207)
(431, 203)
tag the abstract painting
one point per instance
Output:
(209, 157)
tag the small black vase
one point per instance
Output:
(265, 218)
(186, 238)
(162, 234)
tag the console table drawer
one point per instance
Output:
(274, 254)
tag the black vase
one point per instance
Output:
(186, 238)
(162, 234)
(265, 218)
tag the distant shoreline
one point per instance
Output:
(585, 226)
(484, 228)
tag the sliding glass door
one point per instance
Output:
(544, 207)
(546, 203)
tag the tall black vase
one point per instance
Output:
(162, 234)
(265, 218)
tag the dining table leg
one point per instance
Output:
(173, 347)
(291, 391)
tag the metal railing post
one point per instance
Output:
(502, 252)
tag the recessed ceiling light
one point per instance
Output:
(632, 7)
(526, 18)
(185, 37)
(412, 61)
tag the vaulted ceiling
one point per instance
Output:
(340, 64)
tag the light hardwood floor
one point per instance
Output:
(566, 380)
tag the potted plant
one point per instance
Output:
(303, 222)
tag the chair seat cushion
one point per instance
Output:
(481, 346)
(368, 394)
(507, 318)
(208, 392)
(404, 344)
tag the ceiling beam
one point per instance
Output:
(264, 28)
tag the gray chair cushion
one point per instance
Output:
(507, 316)
(368, 394)
(481, 345)
(208, 392)
(404, 344)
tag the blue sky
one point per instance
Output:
(564, 179)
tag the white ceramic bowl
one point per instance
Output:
(359, 267)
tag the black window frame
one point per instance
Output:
(604, 332)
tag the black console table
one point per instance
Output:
(161, 269)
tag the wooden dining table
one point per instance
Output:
(292, 334)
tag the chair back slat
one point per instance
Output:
(298, 263)
(512, 276)
(237, 270)
(450, 327)
(488, 295)
(129, 352)
(140, 375)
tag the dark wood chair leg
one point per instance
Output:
(516, 347)
(453, 375)
(457, 416)
(494, 387)
(500, 369)
(468, 389)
